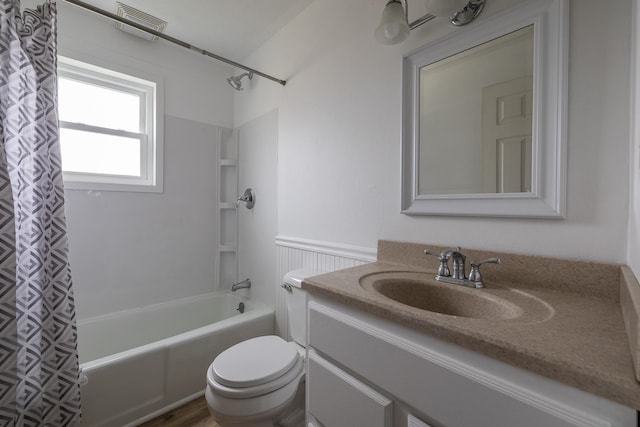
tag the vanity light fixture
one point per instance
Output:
(394, 25)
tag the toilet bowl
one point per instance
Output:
(260, 382)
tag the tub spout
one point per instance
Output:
(246, 283)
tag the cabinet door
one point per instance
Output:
(336, 399)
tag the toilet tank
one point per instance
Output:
(296, 299)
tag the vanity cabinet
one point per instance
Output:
(363, 370)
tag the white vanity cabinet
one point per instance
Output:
(365, 371)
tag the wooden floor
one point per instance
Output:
(193, 414)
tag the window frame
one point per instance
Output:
(150, 136)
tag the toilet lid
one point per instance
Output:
(254, 362)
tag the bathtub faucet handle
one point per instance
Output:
(248, 198)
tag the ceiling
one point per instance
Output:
(229, 28)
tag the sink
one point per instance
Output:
(422, 291)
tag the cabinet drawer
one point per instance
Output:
(337, 399)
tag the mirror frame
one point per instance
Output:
(547, 199)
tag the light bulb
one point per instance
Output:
(393, 27)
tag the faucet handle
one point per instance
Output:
(474, 274)
(428, 252)
(443, 269)
(494, 260)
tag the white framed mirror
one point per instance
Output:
(484, 117)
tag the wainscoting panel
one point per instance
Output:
(324, 257)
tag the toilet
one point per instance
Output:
(260, 382)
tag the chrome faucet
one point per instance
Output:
(457, 274)
(245, 284)
(458, 267)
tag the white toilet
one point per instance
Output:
(260, 382)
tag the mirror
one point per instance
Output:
(475, 109)
(484, 117)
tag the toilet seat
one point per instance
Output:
(253, 362)
(255, 367)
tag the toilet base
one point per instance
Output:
(282, 416)
(294, 415)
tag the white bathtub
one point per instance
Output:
(142, 362)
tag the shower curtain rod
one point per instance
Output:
(172, 39)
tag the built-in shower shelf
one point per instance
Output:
(227, 248)
(227, 218)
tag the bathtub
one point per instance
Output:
(139, 363)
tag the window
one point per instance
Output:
(109, 129)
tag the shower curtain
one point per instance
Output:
(38, 340)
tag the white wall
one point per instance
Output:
(634, 214)
(340, 128)
(258, 162)
(337, 145)
(134, 249)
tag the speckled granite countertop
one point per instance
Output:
(581, 342)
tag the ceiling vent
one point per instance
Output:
(141, 18)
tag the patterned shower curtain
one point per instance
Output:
(38, 340)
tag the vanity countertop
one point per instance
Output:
(582, 343)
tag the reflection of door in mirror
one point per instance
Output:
(455, 93)
(506, 136)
